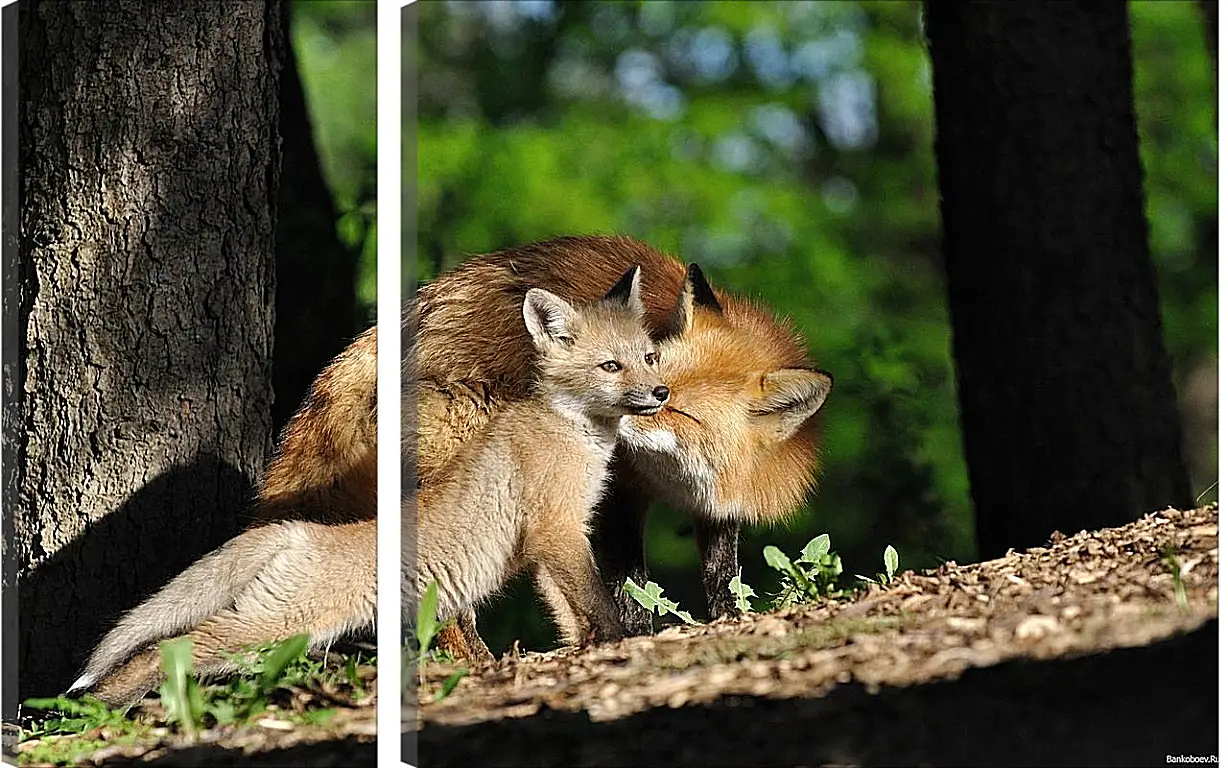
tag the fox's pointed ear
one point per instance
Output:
(704, 295)
(627, 291)
(548, 317)
(695, 292)
(790, 396)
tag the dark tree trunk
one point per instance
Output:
(1069, 416)
(1210, 17)
(139, 378)
(316, 308)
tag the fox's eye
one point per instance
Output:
(610, 366)
(651, 358)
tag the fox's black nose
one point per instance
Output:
(661, 393)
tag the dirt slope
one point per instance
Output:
(1078, 653)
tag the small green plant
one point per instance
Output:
(1174, 567)
(1209, 488)
(260, 673)
(428, 624)
(353, 678)
(74, 716)
(78, 728)
(180, 692)
(810, 577)
(427, 628)
(891, 563)
(741, 592)
(815, 573)
(652, 597)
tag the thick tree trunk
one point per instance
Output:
(316, 309)
(140, 380)
(1069, 416)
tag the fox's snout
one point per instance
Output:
(646, 403)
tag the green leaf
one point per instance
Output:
(428, 623)
(87, 705)
(320, 716)
(741, 592)
(777, 559)
(351, 675)
(1209, 488)
(836, 566)
(179, 693)
(450, 684)
(223, 711)
(640, 595)
(891, 559)
(685, 616)
(816, 548)
(279, 658)
(652, 597)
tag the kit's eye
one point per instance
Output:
(610, 366)
(651, 358)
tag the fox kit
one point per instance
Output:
(736, 443)
(520, 494)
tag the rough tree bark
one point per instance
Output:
(138, 396)
(316, 308)
(1068, 410)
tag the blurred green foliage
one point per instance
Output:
(335, 46)
(786, 147)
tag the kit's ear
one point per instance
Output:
(790, 396)
(549, 318)
(695, 293)
(627, 291)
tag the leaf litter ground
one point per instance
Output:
(287, 734)
(1089, 650)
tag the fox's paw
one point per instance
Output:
(127, 684)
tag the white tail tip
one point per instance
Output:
(84, 682)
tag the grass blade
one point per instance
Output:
(279, 657)
(179, 694)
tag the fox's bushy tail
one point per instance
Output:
(206, 587)
(265, 585)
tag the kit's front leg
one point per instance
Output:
(572, 575)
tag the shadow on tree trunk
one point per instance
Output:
(117, 562)
(316, 307)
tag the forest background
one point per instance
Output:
(788, 148)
